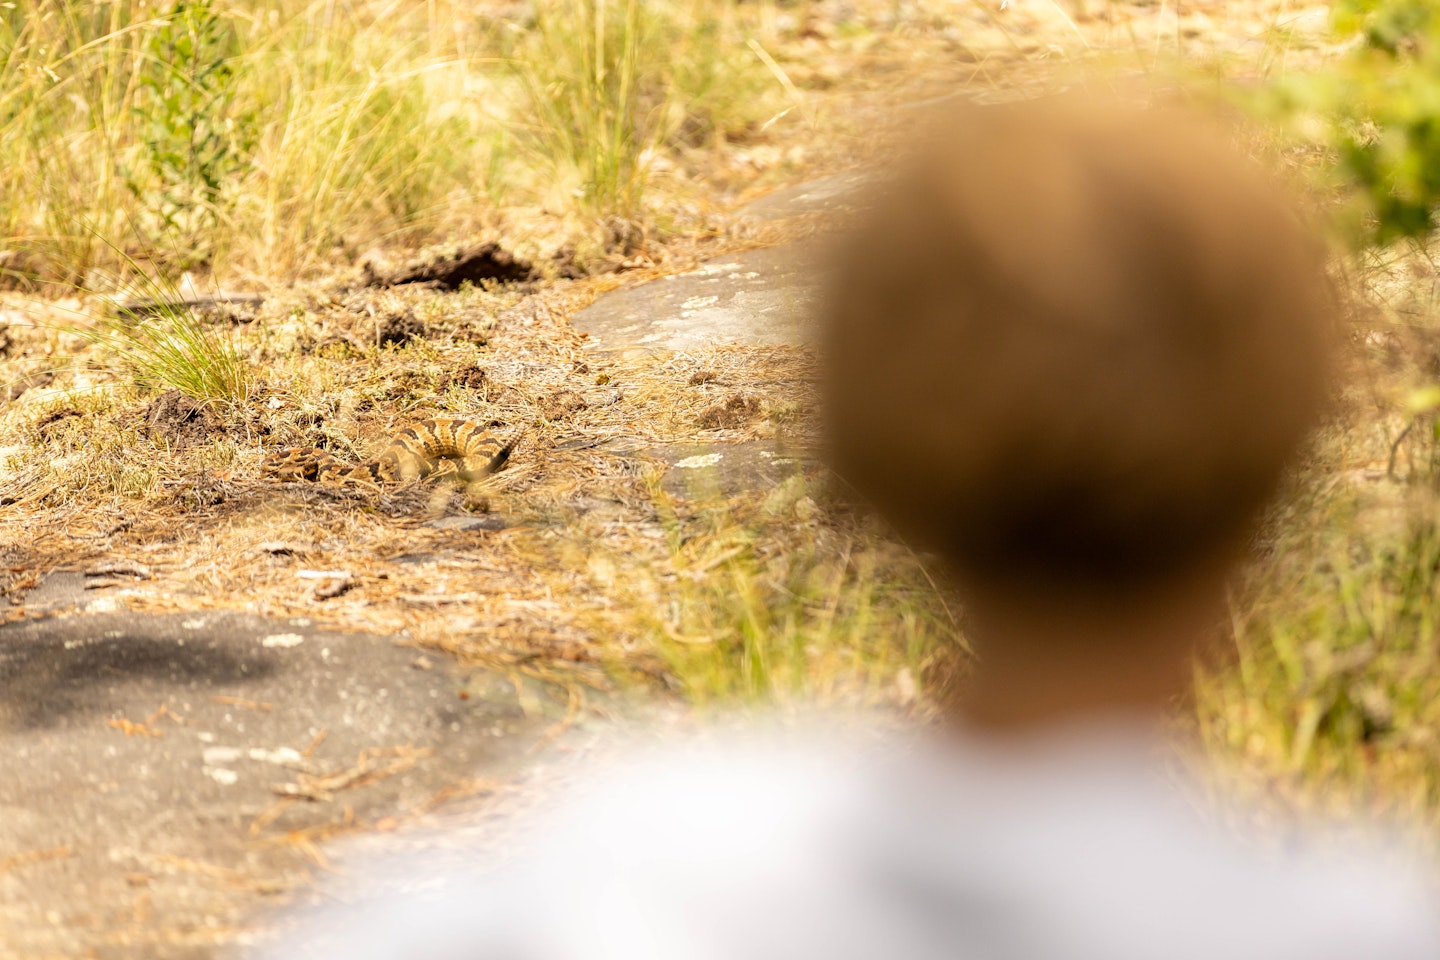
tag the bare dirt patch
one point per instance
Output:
(736, 411)
(487, 262)
(181, 421)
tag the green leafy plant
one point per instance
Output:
(195, 137)
(1377, 114)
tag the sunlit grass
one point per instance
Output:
(781, 601)
(294, 138)
(834, 625)
(1327, 692)
(168, 345)
(176, 349)
(608, 83)
(1332, 682)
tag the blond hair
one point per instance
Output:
(1074, 344)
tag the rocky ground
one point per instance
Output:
(176, 774)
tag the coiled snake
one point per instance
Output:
(417, 451)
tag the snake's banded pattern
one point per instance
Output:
(415, 452)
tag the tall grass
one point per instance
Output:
(370, 136)
(279, 136)
(785, 602)
(64, 100)
(847, 625)
(1333, 682)
(1328, 694)
(608, 83)
(585, 82)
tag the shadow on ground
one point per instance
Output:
(165, 776)
(41, 686)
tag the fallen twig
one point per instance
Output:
(121, 568)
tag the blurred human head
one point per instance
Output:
(1072, 347)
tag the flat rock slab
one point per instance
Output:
(59, 589)
(700, 471)
(703, 470)
(166, 776)
(840, 194)
(466, 523)
(760, 297)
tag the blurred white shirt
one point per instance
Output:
(1076, 847)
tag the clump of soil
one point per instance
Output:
(469, 333)
(488, 261)
(181, 421)
(399, 328)
(562, 404)
(46, 423)
(623, 235)
(736, 411)
(472, 377)
(700, 377)
(567, 267)
(197, 493)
